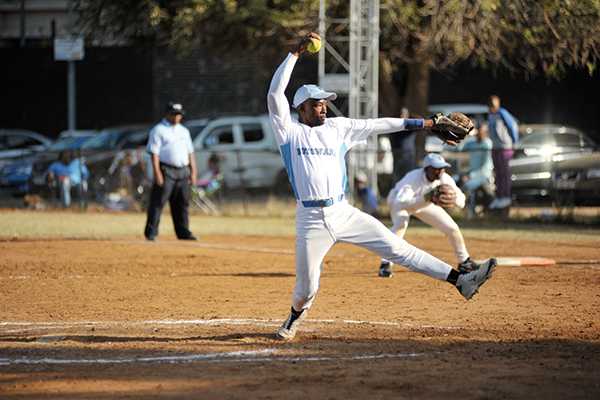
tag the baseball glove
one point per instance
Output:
(443, 196)
(452, 128)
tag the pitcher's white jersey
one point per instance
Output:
(314, 157)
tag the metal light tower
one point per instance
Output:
(349, 65)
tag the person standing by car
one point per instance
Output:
(504, 132)
(174, 168)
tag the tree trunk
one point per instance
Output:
(417, 93)
(389, 99)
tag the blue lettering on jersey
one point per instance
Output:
(315, 151)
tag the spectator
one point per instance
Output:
(210, 180)
(479, 176)
(504, 133)
(66, 173)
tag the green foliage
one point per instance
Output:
(552, 35)
(546, 36)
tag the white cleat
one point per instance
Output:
(469, 283)
(290, 326)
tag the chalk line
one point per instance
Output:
(234, 356)
(24, 326)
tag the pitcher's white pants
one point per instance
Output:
(435, 216)
(318, 229)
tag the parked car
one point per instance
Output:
(248, 153)
(77, 133)
(536, 155)
(15, 143)
(16, 177)
(99, 152)
(576, 179)
(128, 166)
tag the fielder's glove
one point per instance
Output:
(443, 196)
(452, 128)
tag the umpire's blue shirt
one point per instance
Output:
(172, 143)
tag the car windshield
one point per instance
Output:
(537, 139)
(68, 143)
(105, 140)
(567, 140)
(195, 130)
(135, 140)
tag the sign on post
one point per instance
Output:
(70, 49)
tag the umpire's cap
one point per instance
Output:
(175, 108)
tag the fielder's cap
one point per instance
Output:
(306, 92)
(175, 108)
(435, 160)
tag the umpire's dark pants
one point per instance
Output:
(176, 189)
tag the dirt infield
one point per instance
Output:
(130, 319)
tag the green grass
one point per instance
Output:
(21, 224)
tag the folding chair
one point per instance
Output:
(202, 192)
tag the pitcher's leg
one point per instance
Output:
(366, 231)
(311, 249)
(400, 219)
(313, 240)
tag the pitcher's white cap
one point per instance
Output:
(306, 92)
(435, 160)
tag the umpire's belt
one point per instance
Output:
(175, 173)
(164, 165)
(323, 202)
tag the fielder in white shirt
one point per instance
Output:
(313, 152)
(411, 197)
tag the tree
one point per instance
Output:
(529, 37)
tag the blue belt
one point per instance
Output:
(323, 202)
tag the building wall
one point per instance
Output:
(39, 18)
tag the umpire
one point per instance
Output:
(174, 167)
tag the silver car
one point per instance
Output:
(541, 146)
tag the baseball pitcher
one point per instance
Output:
(313, 150)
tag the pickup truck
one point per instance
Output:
(248, 153)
